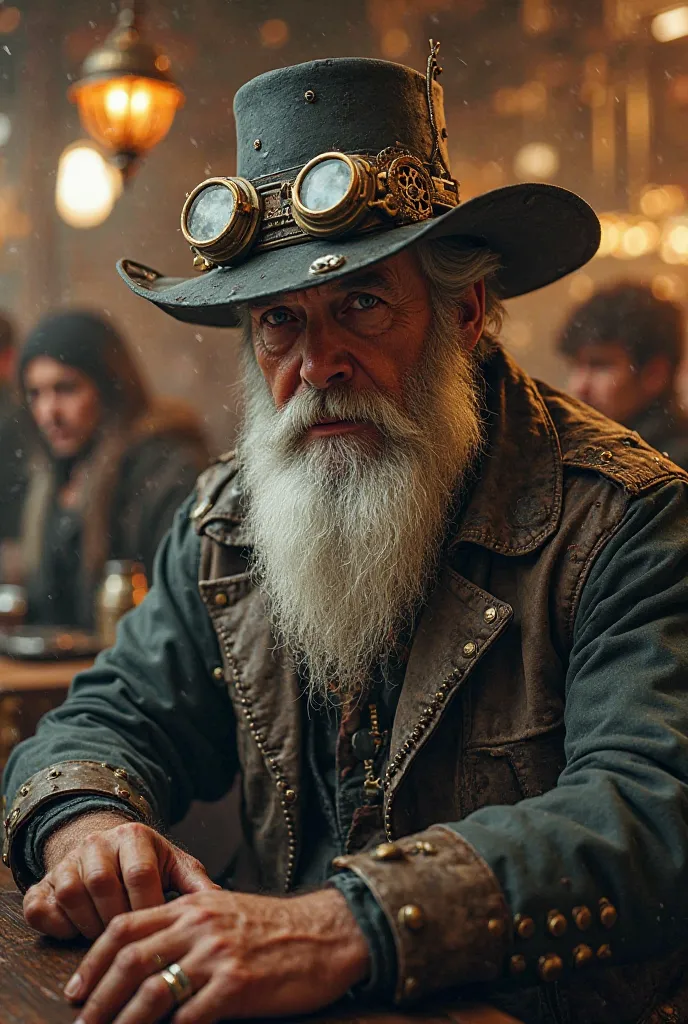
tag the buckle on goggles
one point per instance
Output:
(335, 194)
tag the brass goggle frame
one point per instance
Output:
(393, 186)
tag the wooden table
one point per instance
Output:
(27, 690)
(33, 972)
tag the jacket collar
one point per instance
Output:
(515, 502)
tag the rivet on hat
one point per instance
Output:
(309, 96)
(257, 144)
(324, 264)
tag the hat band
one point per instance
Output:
(334, 195)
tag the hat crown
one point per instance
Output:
(286, 117)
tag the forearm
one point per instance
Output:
(70, 835)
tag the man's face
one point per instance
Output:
(604, 376)
(64, 403)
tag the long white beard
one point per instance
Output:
(347, 533)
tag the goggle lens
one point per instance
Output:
(210, 213)
(325, 185)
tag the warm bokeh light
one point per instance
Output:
(581, 287)
(87, 186)
(10, 20)
(637, 240)
(536, 161)
(128, 114)
(274, 33)
(674, 245)
(668, 287)
(660, 201)
(610, 235)
(670, 25)
(395, 43)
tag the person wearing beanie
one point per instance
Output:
(12, 441)
(109, 465)
(625, 347)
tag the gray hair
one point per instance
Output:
(451, 268)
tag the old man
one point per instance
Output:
(432, 612)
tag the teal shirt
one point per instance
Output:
(616, 822)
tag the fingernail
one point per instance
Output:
(72, 989)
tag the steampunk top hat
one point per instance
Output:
(341, 163)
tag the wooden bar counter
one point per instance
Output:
(27, 690)
(34, 970)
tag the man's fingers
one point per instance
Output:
(138, 861)
(100, 872)
(213, 1002)
(128, 972)
(119, 934)
(42, 912)
(186, 874)
(74, 899)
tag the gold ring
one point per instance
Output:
(178, 983)
(158, 961)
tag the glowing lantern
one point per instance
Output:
(126, 97)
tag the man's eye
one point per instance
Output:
(365, 301)
(277, 317)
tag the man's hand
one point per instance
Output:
(102, 865)
(245, 956)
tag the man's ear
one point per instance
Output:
(472, 314)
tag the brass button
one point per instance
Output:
(387, 851)
(6, 860)
(606, 456)
(469, 649)
(604, 952)
(556, 923)
(582, 955)
(525, 926)
(582, 918)
(122, 792)
(24, 790)
(490, 614)
(218, 673)
(221, 599)
(309, 96)
(289, 796)
(13, 817)
(517, 964)
(340, 862)
(608, 914)
(257, 144)
(54, 773)
(550, 967)
(495, 927)
(411, 987)
(120, 773)
(427, 849)
(412, 916)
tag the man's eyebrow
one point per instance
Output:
(354, 282)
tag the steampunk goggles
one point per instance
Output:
(335, 194)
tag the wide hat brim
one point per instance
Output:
(540, 232)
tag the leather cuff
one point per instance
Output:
(68, 778)
(444, 905)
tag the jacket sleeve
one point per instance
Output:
(151, 724)
(593, 871)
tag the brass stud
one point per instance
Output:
(470, 649)
(604, 952)
(517, 964)
(309, 96)
(104, 764)
(556, 923)
(427, 849)
(289, 796)
(525, 926)
(257, 144)
(201, 263)
(387, 851)
(340, 862)
(411, 916)
(12, 818)
(218, 673)
(606, 456)
(122, 792)
(54, 773)
(120, 773)
(24, 790)
(582, 955)
(204, 506)
(608, 914)
(411, 987)
(550, 967)
(582, 918)
(490, 614)
(6, 860)
(496, 927)
(221, 599)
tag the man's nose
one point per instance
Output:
(326, 360)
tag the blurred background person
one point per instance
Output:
(625, 347)
(13, 441)
(109, 466)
